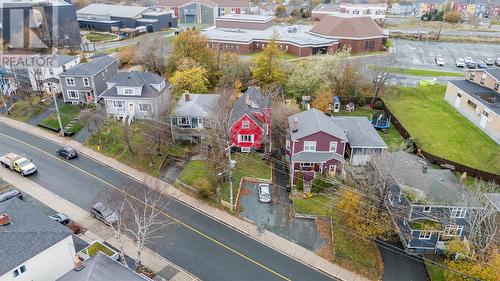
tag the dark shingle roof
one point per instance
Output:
(28, 234)
(135, 79)
(102, 268)
(479, 93)
(90, 68)
(360, 132)
(257, 103)
(312, 121)
(199, 105)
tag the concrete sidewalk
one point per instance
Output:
(96, 230)
(270, 239)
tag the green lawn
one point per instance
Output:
(194, 170)
(110, 142)
(391, 136)
(316, 205)
(68, 112)
(436, 273)
(99, 37)
(247, 164)
(22, 111)
(422, 72)
(440, 129)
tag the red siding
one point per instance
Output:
(254, 129)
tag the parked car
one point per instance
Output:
(497, 61)
(264, 193)
(10, 194)
(482, 65)
(460, 62)
(439, 60)
(104, 214)
(60, 218)
(67, 152)
(489, 61)
(468, 60)
(472, 65)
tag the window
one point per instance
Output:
(184, 121)
(19, 271)
(332, 168)
(497, 86)
(427, 209)
(22, 269)
(309, 146)
(118, 104)
(70, 81)
(471, 78)
(200, 122)
(245, 149)
(15, 273)
(459, 230)
(245, 138)
(86, 82)
(306, 164)
(471, 104)
(245, 124)
(459, 95)
(72, 94)
(287, 145)
(425, 235)
(128, 91)
(458, 213)
(333, 146)
(451, 230)
(145, 107)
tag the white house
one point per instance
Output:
(45, 67)
(134, 94)
(33, 247)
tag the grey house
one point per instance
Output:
(84, 82)
(190, 119)
(428, 205)
(140, 95)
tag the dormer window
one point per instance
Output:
(245, 124)
(128, 91)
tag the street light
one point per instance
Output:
(232, 164)
(57, 110)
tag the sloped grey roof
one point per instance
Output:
(90, 68)
(28, 234)
(143, 80)
(360, 132)
(199, 105)
(121, 11)
(102, 268)
(312, 121)
(494, 198)
(316, 157)
(258, 102)
(494, 72)
(478, 92)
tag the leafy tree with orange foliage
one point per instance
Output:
(322, 101)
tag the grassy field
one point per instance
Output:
(22, 111)
(68, 112)
(422, 72)
(194, 170)
(99, 37)
(110, 142)
(440, 129)
(391, 136)
(315, 205)
(436, 273)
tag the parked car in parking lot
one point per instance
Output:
(468, 60)
(103, 213)
(497, 61)
(460, 62)
(10, 194)
(472, 65)
(482, 65)
(439, 60)
(264, 193)
(67, 152)
(60, 218)
(489, 61)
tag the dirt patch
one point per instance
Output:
(244, 191)
(324, 230)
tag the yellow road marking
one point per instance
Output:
(161, 211)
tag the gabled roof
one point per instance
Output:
(121, 11)
(313, 121)
(252, 101)
(143, 80)
(360, 132)
(28, 234)
(347, 26)
(198, 105)
(90, 68)
(102, 268)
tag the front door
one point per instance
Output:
(131, 108)
(89, 97)
(457, 102)
(484, 118)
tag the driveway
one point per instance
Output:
(398, 266)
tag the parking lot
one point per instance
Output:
(420, 54)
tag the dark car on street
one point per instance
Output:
(10, 194)
(103, 213)
(67, 152)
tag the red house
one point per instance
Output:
(250, 121)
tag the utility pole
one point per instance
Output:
(57, 110)
(3, 101)
(232, 164)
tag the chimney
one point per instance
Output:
(4, 220)
(295, 125)
(186, 96)
(247, 99)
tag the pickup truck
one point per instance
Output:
(18, 163)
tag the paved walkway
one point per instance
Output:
(96, 230)
(265, 237)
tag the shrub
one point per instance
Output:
(378, 105)
(361, 102)
(300, 182)
(319, 184)
(204, 186)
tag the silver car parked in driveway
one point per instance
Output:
(264, 193)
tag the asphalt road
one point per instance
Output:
(199, 244)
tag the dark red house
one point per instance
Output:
(250, 121)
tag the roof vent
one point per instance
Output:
(295, 128)
(4, 220)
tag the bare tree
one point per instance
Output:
(281, 112)
(95, 118)
(126, 136)
(151, 53)
(379, 75)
